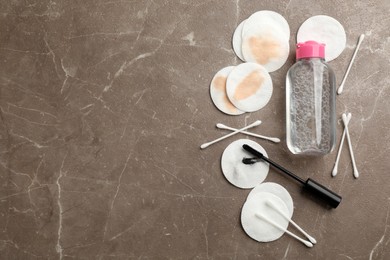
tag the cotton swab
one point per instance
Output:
(307, 243)
(340, 90)
(355, 171)
(336, 164)
(272, 139)
(271, 205)
(205, 145)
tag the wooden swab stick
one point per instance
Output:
(307, 243)
(272, 139)
(205, 145)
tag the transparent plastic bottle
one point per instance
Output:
(310, 102)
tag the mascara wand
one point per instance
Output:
(324, 193)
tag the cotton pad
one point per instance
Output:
(257, 228)
(266, 18)
(249, 87)
(265, 39)
(236, 41)
(242, 175)
(218, 92)
(327, 30)
(276, 190)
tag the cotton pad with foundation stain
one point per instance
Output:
(276, 190)
(258, 228)
(239, 174)
(327, 30)
(218, 92)
(249, 87)
(265, 39)
(237, 42)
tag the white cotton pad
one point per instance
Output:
(218, 92)
(327, 30)
(245, 176)
(276, 190)
(236, 41)
(249, 87)
(265, 40)
(257, 228)
(266, 18)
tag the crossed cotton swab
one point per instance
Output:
(336, 164)
(345, 121)
(272, 139)
(340, 90)
(305, 242)
(346, 118)
(271, 205)
(205, 145)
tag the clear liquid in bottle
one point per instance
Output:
(310, 102)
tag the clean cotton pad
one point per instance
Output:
(327, 30)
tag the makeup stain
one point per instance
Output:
(220, 84)
(249, 85)
(264, 48)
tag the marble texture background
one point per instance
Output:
(103, 107)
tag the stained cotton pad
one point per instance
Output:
(276, 190)
(236, 41)
(218, 92)
(327, 30)
(242, 175)
(257, 228)
(265, 39)
(249, 87)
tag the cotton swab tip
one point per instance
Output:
(312, 239)
(361, 37)
(307, 243)
(334, 172)
(340, 89)
(204, 145)
(220, 125)
(256, 123)
(274, 139)
(344, 117)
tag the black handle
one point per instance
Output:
(327, 195)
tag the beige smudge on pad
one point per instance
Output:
(249, 87)
(218, 92)
(264, 49)
(220, 84)
(265, 39)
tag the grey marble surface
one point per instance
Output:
(104, 105)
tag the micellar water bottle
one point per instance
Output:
(310, 102)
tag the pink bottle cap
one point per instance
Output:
(310, 49)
